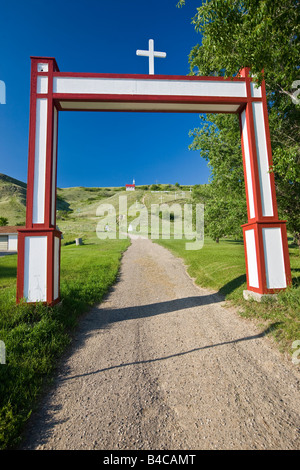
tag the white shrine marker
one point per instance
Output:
(151, 53)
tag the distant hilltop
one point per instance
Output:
(13, 197)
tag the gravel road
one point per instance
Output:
(162, 364)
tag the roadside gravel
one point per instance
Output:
(162, 364)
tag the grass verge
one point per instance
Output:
(35, 336)
(221, 267)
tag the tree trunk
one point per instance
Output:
(297, 238)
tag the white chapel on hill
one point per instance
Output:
(130, 187)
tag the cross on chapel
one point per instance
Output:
(151, 53)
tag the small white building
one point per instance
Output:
(9, 238)
(130, 187)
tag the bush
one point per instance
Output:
(3, 221)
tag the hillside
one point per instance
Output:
(77, 206)
(12, 200)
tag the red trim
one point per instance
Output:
(261, 289)
(258, 227)
(122, 110)
(49, 149)
(153, 99)
(286, 255)
(50, 267)
(20, 268)
(39, 231)
(49, 160)
(31, 147)
(56, 150)
(269, 148)
(261, 260)
(245, 171)
(59, 262)
(103, 98)
(50, 233)
(253, 154)
(49, 60)
(148, 77)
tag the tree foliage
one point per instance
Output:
(218, 140)
(263, 35)
(3, 221)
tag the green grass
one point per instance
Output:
(35, 336)
(221, 267)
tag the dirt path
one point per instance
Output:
(163, 364)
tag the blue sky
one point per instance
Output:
(99, 149)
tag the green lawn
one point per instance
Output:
(221, 267)
(35, 336)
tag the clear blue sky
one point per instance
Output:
(99, 149)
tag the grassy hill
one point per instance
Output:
(77, 206)
(12, 200)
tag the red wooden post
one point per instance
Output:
(39, 241)
(265, 238)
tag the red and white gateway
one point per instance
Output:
(52, 91)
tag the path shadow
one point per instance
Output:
(39, 429)
(7, 253)
(159, 308)
(8, 272)
(232, 285)
(148, 361)
(102, 317)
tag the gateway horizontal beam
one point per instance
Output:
(148, 106)
(155, 87)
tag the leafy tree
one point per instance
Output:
(155, 187)
(263, 35)
(218, 140)
(3, 221)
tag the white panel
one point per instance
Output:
(56, 268)
(42, 85)
(35, 269)
(55, 116)
(120, 86)
(255, 92)
(251, 258)
(13, 242)
(262, 157)
(3, 242)
(274, 261)
(248, 165)
(42, 67)
(179, 107)
(40, 162)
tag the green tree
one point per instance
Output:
(218, 140)
(3, 221)
(263, 35)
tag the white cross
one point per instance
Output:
(151, 53)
